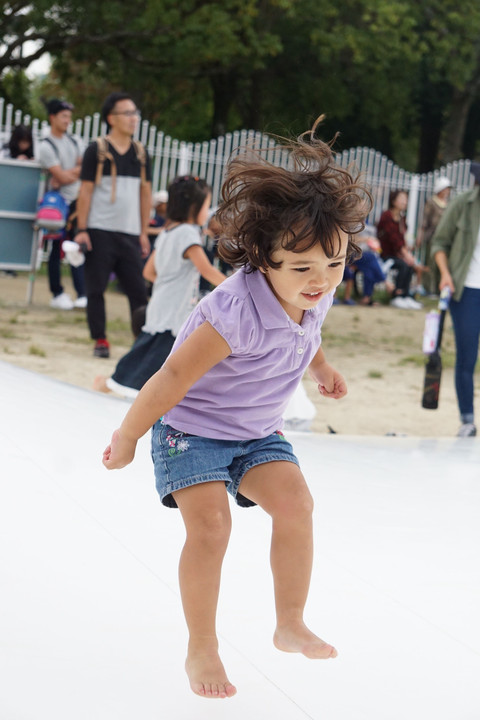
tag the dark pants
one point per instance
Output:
(112, 252)
(54, 275)
(403, 277)
(372, 272)
(466, 325)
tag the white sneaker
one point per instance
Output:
(467, 430)
(80, 302)
(401, 303)
(413, 304)
(62, 302)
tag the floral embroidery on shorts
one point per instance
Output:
(280, 435)
(177, 443)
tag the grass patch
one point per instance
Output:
(7, 334)
(78, 340)
(419, 359)
(375, 374)
(118, 325)
(35, 350)
(66, 318)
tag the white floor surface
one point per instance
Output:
(91, 626)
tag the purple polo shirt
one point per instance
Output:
(244, 396)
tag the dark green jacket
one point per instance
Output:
(457, 234)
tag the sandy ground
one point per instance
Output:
(377, 349)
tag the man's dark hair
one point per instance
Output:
(111, 101)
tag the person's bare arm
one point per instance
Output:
(330, 383)
(445, 277)
(197, 255)
(149, 272)
(203, 349)
(83, 208)
(145, 204)
(64, 177)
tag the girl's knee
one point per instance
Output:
(211, 530)
(296, 506)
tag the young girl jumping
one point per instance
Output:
(174, 268)
(216, 404)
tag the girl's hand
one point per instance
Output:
(119, 453)
(330, 383)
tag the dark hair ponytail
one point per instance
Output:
(186, 195)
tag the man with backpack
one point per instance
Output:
(113, 214)
(61, 154)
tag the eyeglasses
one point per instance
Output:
(127, 113)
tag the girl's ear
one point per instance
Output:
(263, 270)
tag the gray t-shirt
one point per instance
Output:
(174, 292)
(65, 152)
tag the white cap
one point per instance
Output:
(441, 183)
(160, 197)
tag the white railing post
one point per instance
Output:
(208, 159)
(412, 210)
(183, 160)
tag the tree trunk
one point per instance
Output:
(224, 88)
(456, 124)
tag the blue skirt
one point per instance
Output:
(147, 355)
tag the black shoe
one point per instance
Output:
(102, 349)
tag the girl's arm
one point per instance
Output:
(197, 255)
(330, 383)
(203, 349)
(149, 272)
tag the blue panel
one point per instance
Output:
(19, 183)
(19, 187)
(16, 237)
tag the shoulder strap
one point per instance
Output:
(103, 153)
(74, 141)
(142, 158)
(50, 142)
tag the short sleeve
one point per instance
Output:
(89, 163)
(186, 235)
(233, 318)
(47, 156)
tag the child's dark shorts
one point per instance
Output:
(181, 460)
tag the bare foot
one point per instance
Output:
(207, 675)
(299, 639)
(100, 384)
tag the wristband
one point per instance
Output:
(79, 230)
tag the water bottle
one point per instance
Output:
(430, 332)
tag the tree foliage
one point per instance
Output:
(400, 75)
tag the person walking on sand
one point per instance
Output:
(174, 268)
(216, 405)
(61, 154)
(113, 215)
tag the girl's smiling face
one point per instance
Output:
(304, 278)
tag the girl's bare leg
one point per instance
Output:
(206, 515)
(280, 489)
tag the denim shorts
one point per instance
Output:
(181, 460)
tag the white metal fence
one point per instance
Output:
(208, 159)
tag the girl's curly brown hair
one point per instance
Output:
(266, 207)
